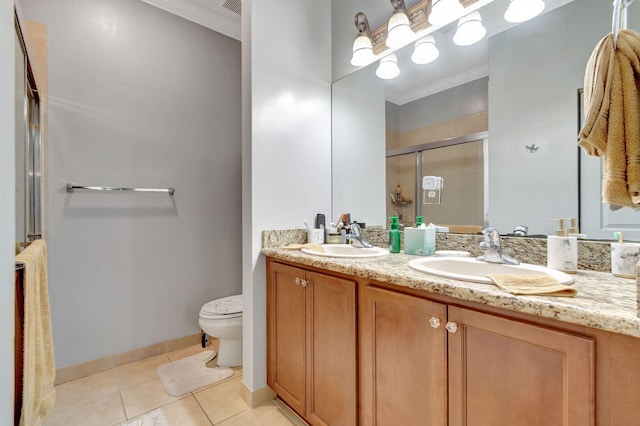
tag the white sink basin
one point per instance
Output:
(347, 250)
(469, 269)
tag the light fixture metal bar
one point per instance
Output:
(418, 15)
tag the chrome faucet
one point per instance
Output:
(356, 237)
(493, 249)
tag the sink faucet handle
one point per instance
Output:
(491, 237)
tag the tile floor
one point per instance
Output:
(124, 393)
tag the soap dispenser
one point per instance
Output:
(394, 235)
(562, 250)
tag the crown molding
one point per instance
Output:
(441, 85)
(201, 15)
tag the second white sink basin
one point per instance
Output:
(469, 269)
(347, 250)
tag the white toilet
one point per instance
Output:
(222, 318)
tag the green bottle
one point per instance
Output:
(418, 221)
(394, 235)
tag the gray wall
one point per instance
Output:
(466, 99)
(536, 69)
(138, 97)
(7, 210)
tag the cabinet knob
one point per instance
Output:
(303, 282)
(297, 281)
(434, 322)
(451, 327)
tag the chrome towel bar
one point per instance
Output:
(71, 187)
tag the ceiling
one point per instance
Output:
(219, 15)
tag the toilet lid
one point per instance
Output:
(225, 306)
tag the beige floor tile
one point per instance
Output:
(143, 397)
(139, 372)
(192, 350)
(266, 414)
(222, 401)
(186, 412)
(106, 409)
(88, 388)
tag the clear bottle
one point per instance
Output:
(394, 235)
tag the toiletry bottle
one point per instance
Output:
(398, 194)
(394, 235)
(562, 250)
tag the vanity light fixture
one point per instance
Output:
(470, 30)
(425, 50)
(399, 30)
(444, 11)
(523, 10)
(362, 46)
(388, 67)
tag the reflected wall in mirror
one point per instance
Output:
(532, 72)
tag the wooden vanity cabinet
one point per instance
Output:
(311, 343)
(506, 372)
(403, 359)
(419, 357)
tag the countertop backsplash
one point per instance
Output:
(592, 255)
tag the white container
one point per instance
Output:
(624, 258)
(562, 253)
(420, 241)
(315, 236)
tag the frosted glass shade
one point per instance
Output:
(470, 30)
(388, 67)
(445, 11)
(523, 10)
(399, 32)
(362, 51)
(425, 51)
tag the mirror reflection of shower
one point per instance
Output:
(27, 149)
(459, 161)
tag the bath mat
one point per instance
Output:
(152, 418)
(189, 374)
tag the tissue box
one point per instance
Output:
(421, 241)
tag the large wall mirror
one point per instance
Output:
(520, 87)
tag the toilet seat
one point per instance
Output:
(224, 308)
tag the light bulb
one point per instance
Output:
(523, 10)
(425, 51)
(470, 30)
(362, 51)
(388, 67)
(445, 11)
(399, 30)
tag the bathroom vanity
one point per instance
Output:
(370, 341)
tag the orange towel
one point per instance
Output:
(532, 285)
(612, 126)
(38, 394)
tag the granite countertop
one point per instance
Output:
(603, 301)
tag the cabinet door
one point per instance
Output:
(403, 359)
(331, 380)
(503, 372)
(286, 336)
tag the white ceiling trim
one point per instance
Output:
(441, 85)
(200, 15)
